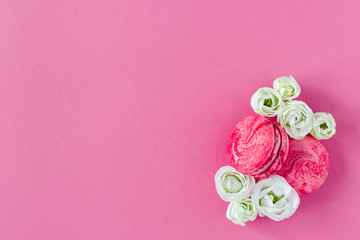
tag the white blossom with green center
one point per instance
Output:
(266, 102)
(233, 186)
(296, 118)
(242, 211)
(323, 126)
(287, 87)
(275, 198)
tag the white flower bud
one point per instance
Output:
(275, 198)
(242, 211)
(266, 102)
(296, 118)
(323, 126)
(287, 87)
(233, 186)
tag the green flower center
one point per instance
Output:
(232, 184)
(275, 198)
(268, 102)
(324, 126)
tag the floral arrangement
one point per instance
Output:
(273, 162)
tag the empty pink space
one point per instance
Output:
(115, 115)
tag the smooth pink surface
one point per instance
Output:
(115, 115)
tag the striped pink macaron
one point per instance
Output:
(258, 147)
(307, 165)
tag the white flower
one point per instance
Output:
(266, 102)
(323, 126)
(233, 186)
(296, 118)
(242, 211)
(275, 198)
(287, 87)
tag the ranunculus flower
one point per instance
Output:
(323, 126)
(266, 102)
(233, 186)
(296, 118)
(242, 211)
(275, 198)
(287, 87)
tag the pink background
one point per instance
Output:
(114, 115)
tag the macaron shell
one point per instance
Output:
(307, 165)
(252, 144)
(280, 155)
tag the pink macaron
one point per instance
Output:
(280, 154)
(307, 165)
(257, 147)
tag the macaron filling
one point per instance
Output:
(275, 154)
(281, 157)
